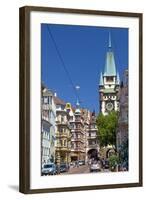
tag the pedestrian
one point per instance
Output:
(103, 162)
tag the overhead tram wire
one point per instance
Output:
(63, 63)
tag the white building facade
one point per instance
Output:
(48, 127)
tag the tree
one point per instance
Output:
(113, 161)
(107, 125)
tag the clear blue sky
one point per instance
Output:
(83, 49)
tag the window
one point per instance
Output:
(57, 106)
(79, 126)
(92, 126)
(45, 100)
(93, 142)
(72, 126)
(62, 119)
(65, 143)
(93, 134)
(60, 129)
(71, 118)
(49, 114)
(78, 118)
(50, 100)
(109, 79)
(48, 136)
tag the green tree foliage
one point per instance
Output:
(113, 161)
(107, 126)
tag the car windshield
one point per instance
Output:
(48, 166)
(63, 165)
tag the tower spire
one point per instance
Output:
(109, 40)
(77, 111)
(77, 104)
(110, 66)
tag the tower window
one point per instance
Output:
(109, 79)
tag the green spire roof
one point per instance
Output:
(110, 66)
(101, 79)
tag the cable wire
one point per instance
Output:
(63, 63)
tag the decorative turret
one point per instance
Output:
(101, 80)
(118, 79)
(77, 111)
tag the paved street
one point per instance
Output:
(82, 169)
(79, 170)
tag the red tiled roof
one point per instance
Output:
(58, 101)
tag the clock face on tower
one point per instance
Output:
(109, 106)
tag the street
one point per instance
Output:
(82, 169)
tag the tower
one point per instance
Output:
(109, 83)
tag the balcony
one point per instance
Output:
(63, 134)
(92, 146)
(79, 130)
(63, 148)
(76, 139)
(91, 137)
(78, 149)
(62, 123)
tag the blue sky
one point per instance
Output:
(83, 49)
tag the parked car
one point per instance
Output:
(64, 167)
(95, 167)
(49, 169)
(81, 162)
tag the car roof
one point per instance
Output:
(49, 164)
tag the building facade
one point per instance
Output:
(48, 115)
(78, 143)
(92, 145)
(109, 84)
(122, 132)
(63, 134)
